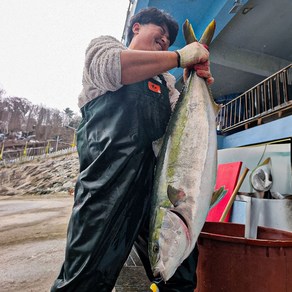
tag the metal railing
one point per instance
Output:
(271, 96)
(40, 155)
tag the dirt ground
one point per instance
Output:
(35, 205)
(32, 244)
(32, 241)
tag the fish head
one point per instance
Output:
(169, 245)
(261, 176)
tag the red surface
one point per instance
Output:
(227, 176)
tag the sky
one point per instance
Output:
(43, 43)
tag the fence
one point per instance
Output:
(271, 96)
(25, 157)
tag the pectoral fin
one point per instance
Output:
(217, 196)
(176, 196)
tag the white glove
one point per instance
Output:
(192, 54)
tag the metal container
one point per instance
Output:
(254, 212)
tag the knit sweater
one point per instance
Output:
(102, 70)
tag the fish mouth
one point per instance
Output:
(157, 271)
(159, 276)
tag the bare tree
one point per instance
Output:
(19, 114)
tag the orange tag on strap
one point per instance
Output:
(154, 87)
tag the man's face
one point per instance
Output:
(150, 37)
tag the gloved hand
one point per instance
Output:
(192, 54)
(202, 70)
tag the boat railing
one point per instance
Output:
(271, 97)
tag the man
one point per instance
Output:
(126, 103)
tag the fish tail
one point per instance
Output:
(208, 34)
(189, 33)
(206, 38)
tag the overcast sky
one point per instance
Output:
(42, 45)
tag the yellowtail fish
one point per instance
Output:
(185, 174)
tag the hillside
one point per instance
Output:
(40, 176)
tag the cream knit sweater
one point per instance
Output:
(102, 70)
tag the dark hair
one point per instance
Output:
(154, 16)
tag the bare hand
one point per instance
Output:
(202, 70)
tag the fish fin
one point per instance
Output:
(157, 146)
(217, 196)
(266, 161)
(190, 36)
(176, 196)
(217, 107)
(188, 32)
(208, 34)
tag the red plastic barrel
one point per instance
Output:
(228, 262)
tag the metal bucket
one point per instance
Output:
(229, 262)
(254, 212)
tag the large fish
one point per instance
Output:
(185, 174)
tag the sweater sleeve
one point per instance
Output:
(102, 69)
(173, 92)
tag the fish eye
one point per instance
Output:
(155, 248)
